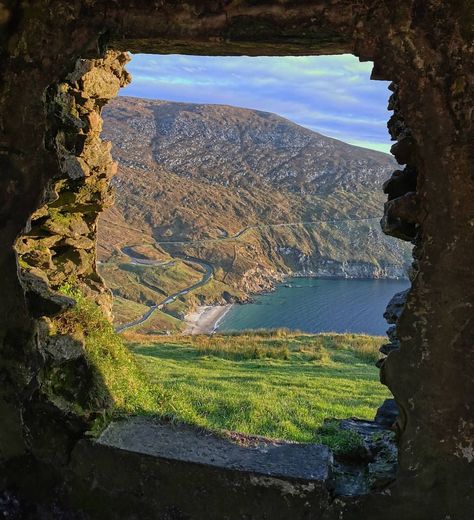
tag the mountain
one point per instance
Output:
(192, 177)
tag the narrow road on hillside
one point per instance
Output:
(128, 251)
(263, 226)
(209, 270)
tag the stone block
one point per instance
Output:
(196, 474)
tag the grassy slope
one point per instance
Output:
(274, 384)
(147, 284)
(135, 287)
(118, 383)
(159, 323)
(125, 310)
(271, 383)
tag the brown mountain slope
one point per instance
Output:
(241, 147)
(202, 173)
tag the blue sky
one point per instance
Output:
(330, 94)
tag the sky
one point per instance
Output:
(332, 95)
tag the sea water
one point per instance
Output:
(318, 305)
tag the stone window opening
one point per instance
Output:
(61, 242)
(425, 48)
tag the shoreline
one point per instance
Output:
(288, 276)
(205, 319)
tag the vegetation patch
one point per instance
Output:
(125, 310)
(118, 381)
(159, 322)
(277, 384)
(342, 442)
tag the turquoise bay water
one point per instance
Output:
(318, 305)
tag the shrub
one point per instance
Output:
(118, 383)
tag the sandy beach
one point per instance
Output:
(205, 319)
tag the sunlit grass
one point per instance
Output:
(126, 310)
(277, 384)
(118, 383)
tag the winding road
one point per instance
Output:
(208, 274)
(264, 226)
(209, 270)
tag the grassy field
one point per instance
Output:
(125, 310)
(272, 383)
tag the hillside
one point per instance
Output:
(246, 191)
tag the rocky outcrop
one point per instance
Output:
(259, 279)
(42, 301)
(402, 212)
(370, 464)
(328, 268)
(61, 236)
(387, 414)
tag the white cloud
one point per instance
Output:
(329, 94)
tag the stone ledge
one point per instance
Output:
(141, 468)
(310, 462)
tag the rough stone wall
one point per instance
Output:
(60, 240)
(57, 248)
(49, 99)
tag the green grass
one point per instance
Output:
(276, 384)
(125, 310)
(342, 442)
(148, 284)
(178, 308)
(212, 292)
(158, 323)
(171, 278)
(272, 383)
(118, 383)
(136, 287)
